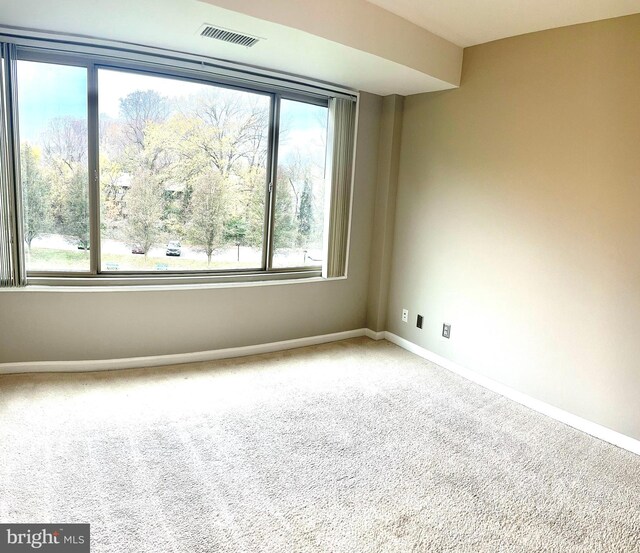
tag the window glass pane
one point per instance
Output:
(300, 190)
(52, 109)
(182, 174)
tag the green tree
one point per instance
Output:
(65, 170)
(216, 142)
(285, 217)
(36, 195)
(298, 178)
(144, 210)
(305, 213)
(235, 231)
(208, 202)
(248, 201)
(75, 210)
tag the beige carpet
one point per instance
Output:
(348, 447)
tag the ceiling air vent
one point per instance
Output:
(226, 35)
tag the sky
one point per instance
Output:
(41, 96)
(47, 91)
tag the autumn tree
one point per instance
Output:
(36, 195)
(144, 209)
(75, 221)
(247, 201)
(205, 157)
(206, 223)
(298, 209)
(139, 110)
(65, 144)
(66, 169)
(233, 128)
(218, 132)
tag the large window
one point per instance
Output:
(129, 169)
(53, 166)
(299, 217)
(183, 174)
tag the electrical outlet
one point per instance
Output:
(446, 330)
(419, 321)
(405, 315)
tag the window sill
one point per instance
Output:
(172, 283)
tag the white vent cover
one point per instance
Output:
(228, 35)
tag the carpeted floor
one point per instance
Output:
(356, 446)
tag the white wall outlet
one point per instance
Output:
(405, 315)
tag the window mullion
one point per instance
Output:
(94, 169)
(274, 130)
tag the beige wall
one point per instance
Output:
(384, 211)
(63, 325)
(518, 218)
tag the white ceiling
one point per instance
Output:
(469, 22)
(379, 46)
(176, 24)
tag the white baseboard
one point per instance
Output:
(560, 415)
(176, 358)
(584, 425)
(374, 335)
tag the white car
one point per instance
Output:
(174, 248)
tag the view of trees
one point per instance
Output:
(186, 169)
(184, 164)
(55, 183)
(300, 193)
(37, 197)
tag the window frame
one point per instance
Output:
(94, 58)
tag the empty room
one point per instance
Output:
(290, 276)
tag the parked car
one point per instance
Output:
(137, 248)
(174, 248)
